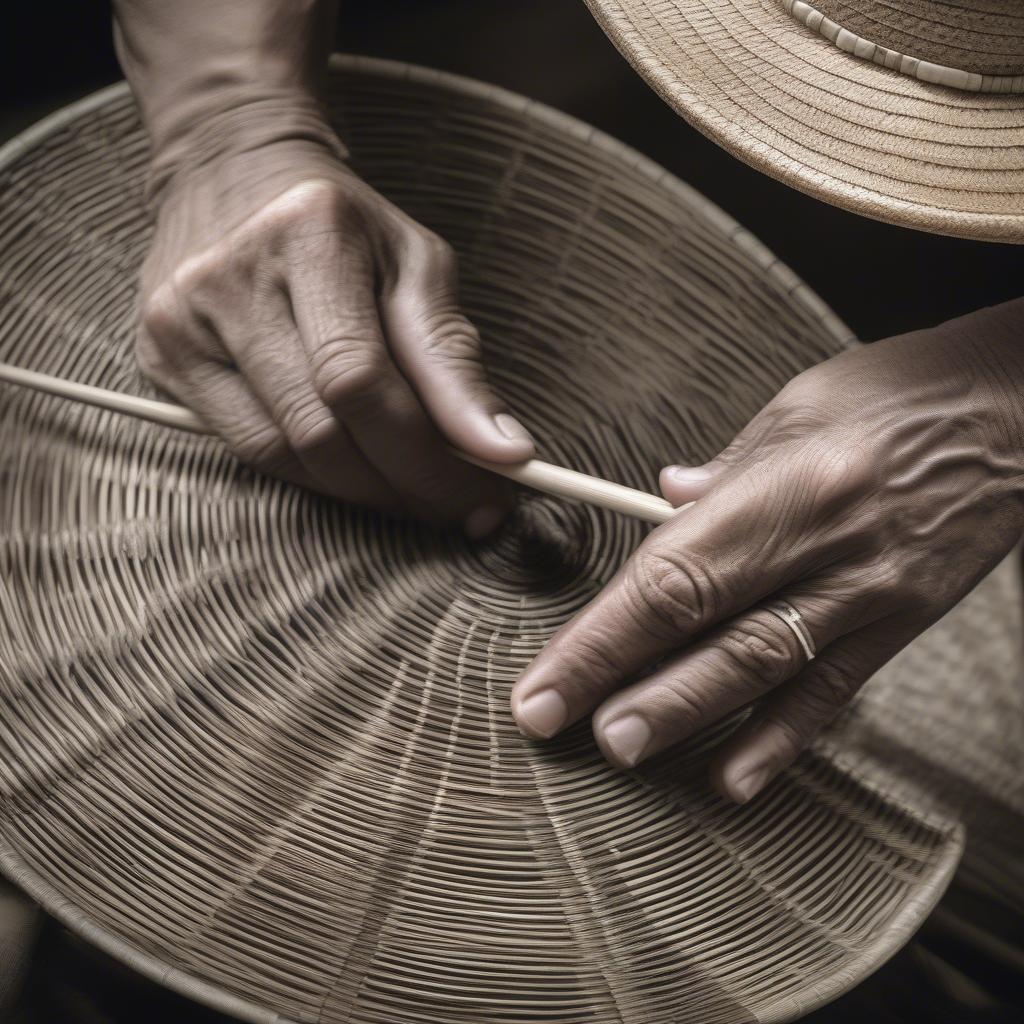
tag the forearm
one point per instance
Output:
(985, 349)
(213, 73)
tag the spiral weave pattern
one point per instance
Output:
(258, 744)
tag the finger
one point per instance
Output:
(270, 356)
(224, 399)
(438, 350)
(666, 594)
(789, 721)
(683, 484)
(738, 663)
(336, 313)
(765, 525)
(225, 402)
(191, 363)
(188, 357)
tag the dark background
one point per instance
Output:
(880, 279)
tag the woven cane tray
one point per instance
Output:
(257, 745)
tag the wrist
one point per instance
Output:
(206, 200)
(226, 128)
(992, 339)
(211, 77)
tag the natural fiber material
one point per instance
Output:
(986, 38)
(954, 76)
(258, 745)
(833, 124)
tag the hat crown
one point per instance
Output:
(981, 37)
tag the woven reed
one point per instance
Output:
(258, 745)
(983, 38)
(835, 125)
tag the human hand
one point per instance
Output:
(871, 494)
(316, 328)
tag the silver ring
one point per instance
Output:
(792, 618)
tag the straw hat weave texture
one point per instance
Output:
(818, 113)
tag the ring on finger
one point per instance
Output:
(792, 618)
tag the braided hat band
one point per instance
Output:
(926, 70)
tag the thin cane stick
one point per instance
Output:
(541, 476)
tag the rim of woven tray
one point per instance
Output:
(899, 930)
(900, 927)
(774, 52)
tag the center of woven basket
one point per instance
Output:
(541, 545)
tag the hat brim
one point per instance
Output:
(842, 129)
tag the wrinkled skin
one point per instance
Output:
(317, 329)
(871, 494)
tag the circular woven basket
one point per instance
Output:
(258, 745)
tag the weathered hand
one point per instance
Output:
(316, 328)
(871, 494)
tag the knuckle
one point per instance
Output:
(685, 707)
(805, 400)
(889, 577)
(263, 447)
(159, 315)
(669, 592)
(594, 660)
(452, 339)
(317, 199)
(860, 464)
(313, 221)
(837, 476)
(893, 584)
(349, 375)
(435, 253)
(198, 275)
(308, 425)
(760, 652)
(428, 264)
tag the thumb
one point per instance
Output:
(683, 484)
(438, 350)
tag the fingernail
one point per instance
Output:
(543, 714)
(627, 738)
(483, 521)
(688, 474)
(751, 782)
(512, 428)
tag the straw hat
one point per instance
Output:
(909, 111)
(257, 745)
